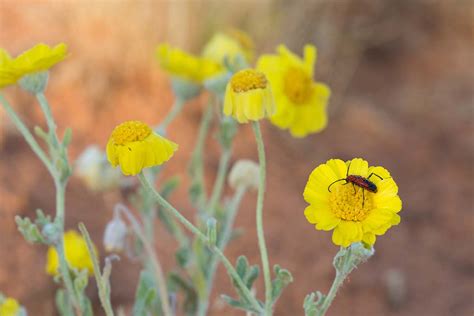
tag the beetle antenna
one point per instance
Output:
(329, 187)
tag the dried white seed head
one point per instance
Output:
(245, 174)
(115, 235)
(92, 167)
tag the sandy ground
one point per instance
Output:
(402, 80)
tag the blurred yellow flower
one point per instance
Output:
(355, 214)
(300, 102)
(229, 45)
(9, 307)
(38, 58)
(133, 145)
(248, 96)
(186, 66)
(76, 254)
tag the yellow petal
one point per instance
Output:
(359, 167)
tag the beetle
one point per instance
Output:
(359, 181)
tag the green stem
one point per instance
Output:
(224, 239)
(196, 168)
(219, 182)
(102, 284)
(28, 136)
(259, 215)
(228, 265)
(173, 112)
(49, 117)
(152, 255)
(336, 284)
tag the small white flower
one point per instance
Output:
(244, 173)
(115, 234)
(92, 167)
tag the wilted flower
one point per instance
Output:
(248, 96)
(76, 254)
(244, 173)
(92, 167)
(355, 213)
(115, 234)
(300, 101)
(133, 145)
(37, 59)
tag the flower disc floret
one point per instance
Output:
(134, 146)
(248, 96)
(354, 213)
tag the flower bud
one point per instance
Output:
(35, 83)
(245, 174)
(185, 89)
(92, 167)
(115, 235)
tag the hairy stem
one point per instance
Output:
(224, 239)
(196, 168)
(173, 112)
(228, 265)
(159, 275)
(259, 217)
(220, 181)
(102, 284)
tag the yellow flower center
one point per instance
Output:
(248, 79)
(350, 203)
(130, 131)
(297, 85)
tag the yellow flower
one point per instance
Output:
(76, 253)
(186, 66)
(300, 102)
(248, 96)
(355, 214)
(134, 146)
(9, 307)
(229, 44)
(38, 58)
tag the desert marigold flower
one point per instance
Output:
(133, 145)
(300, 101)
(9, 307)
(353, 212)
(186, 66)
(229, 44)
(38, 58)
(76, 254)
(248, 96)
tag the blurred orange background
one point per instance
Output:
(402, 78)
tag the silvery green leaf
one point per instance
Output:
(29, 230)
(282, 279)
(251, 276)
(238, 304)
(241, 266)
(146, 295)
(81, 280)
(176, 282)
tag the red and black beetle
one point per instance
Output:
(359, 181)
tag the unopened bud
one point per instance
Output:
(35, 83)
(115, 234)
(244, 173)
